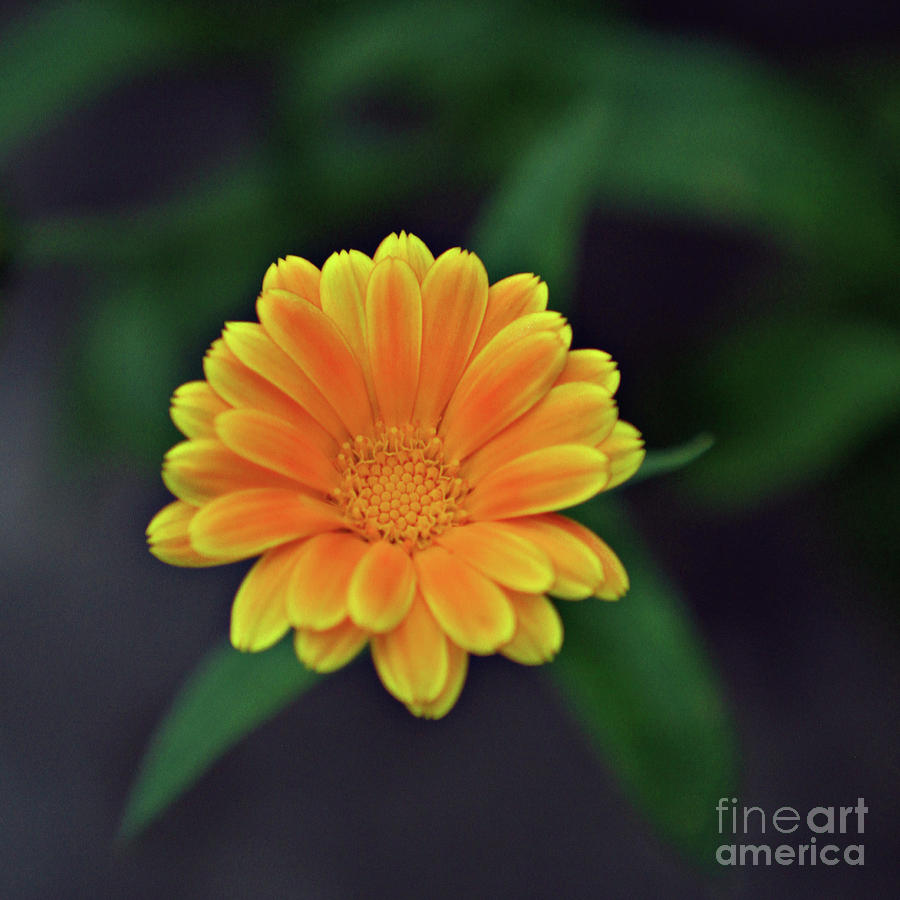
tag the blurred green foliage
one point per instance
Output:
(228, 695)
(637, 677)
(547, 115)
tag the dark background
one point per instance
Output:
(791, 585)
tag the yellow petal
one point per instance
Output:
(512, 334)
(412, 660)
(613, 582)
(201, 469)
(596, 366)
(382, 587)
(508, 386)
(325, 651)
(258, 615)
(344, 279)
(277, 445)
(394, 327)
(242, 387)
(547, 479)
(194, 406)
(539, 630)
(499, 554)
(294, 274)
(321, 580)
(458, 664)
(510, 299)
(169, 540)
(472, 610)
(245, 523)
(578, 568)
(410, 249)
(314, 342)
(575, 413)
(454, 298)
(625, 448)
(250, 343)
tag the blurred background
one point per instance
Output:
(711, 193)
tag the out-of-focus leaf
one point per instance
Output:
(544, 201)
(637, 677)
(228, 696)
(125, 367)
(57, 57)
(701, 129)
(172, 275)
(794, 397)
(402, 105)
(635, 120)
(661, 462)
(228, 210)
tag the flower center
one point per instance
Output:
(396, 487)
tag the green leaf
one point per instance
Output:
(58, 57)
(661, 462)
(536, 217)
(636, 675)
(792, 398)
(689, 129)
(701, 129)
(172, 275)
(228, 696)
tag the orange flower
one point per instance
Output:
(392, 439)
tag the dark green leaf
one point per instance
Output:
(173, 275)
(228, 696)
(59, 56)
(793, 397)
(535, 219)
(661, 462)
(689, 129)
(636, 675)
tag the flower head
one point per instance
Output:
(393, 439)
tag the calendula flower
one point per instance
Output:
(392, 439)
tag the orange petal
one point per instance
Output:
(512, 334)
(576, 413)
(168, 537)
(625, 449)
(314, 342)
(578, 568)
(509, 299)
(547, 479)
(258, 615)
(539, 630)
(410, 249)
(294, 274)
(454, 298)
(277, 445)
(499, 554)
(245, 523)
(242, 387)
(344, 279)
(596, 366)
(203, 468)
(613, 582)
(412, 660)
(472, 610)
(325, 651)
(394, 327)
(382, 587)
(255, 349)
(508, 386)
(458, 664)
(194, 406)
(321, 580)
